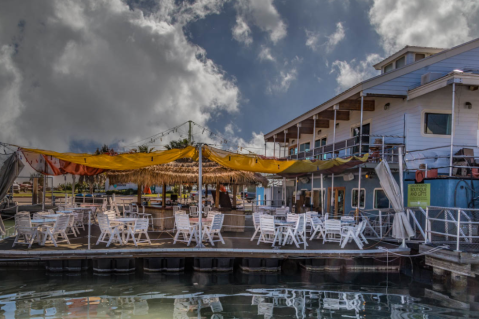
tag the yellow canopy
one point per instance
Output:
(121, 161)
(255, 163)
(241, 162)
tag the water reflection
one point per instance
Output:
(215, 296)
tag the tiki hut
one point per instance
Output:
(185, 173)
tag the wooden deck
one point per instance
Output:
(236, 245)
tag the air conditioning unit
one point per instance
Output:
(348, 177)
(431, 76)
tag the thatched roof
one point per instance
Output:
(185, 173)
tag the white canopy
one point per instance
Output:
(401, 227)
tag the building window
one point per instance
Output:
(380, 199)
(354, 198)
(293, 151)
(437, 123)
(401, 62)
(419, 56)
(388, 68)
(320, 142)
(304, 147)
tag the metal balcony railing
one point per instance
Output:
(382, 147)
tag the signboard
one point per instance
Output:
(419, 195)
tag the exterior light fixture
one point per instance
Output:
(468, 105)
(386, 106)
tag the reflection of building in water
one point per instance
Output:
(314, 303)
(184, 306)
(267, 303)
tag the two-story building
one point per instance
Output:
(425, 101)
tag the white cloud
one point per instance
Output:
(242, 32)
(98, 71)
(335, 38)
(353, 72)
(313, 39)
(287, 75)
(262, 14)
(229, 129)
(436, 23)
(265, 54)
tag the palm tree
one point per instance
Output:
(145, 149)
(181, 143)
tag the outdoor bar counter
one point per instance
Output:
(163, 218)
(234, 220)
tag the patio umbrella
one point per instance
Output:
(401, 228)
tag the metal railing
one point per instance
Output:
(457, 227)
(387, 149)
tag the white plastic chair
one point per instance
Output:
(316, 227)
(256, 223)
(349, 232)
(332, 229)
(214, 229)
(281, 213)
(296, 235)
(26, 234)
(268, 232)
(193, 211)
(292, 217)
(51, 233)
(107, 230)
(139, 228)
(185, 229)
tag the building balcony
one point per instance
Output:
(379, 147)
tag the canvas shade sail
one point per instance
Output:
(255, 163)
(10, 168)
(401, 228)
(126, 161)
(131, 161)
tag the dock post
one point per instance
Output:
(89, 228)
(426, 225)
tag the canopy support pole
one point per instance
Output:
(452, 126)
(401, 183)
(336, 107)
(296, 198)
(199, 242)
(274, 146)
(360, 153)
(138, 195)
(73, 189)
(285, 148)
(284, 192)
(44, 192)
(235, 190)
(163, 202)
(321, 193)
(217, 195)
(297, 140)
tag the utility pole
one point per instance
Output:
(189, 132)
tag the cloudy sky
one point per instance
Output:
(78, 74)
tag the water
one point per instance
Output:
(35, 293)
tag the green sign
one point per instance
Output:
(419, 195)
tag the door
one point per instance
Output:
(317, 200)
(338, 201)
(365, 139)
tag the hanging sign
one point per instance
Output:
(419, 195)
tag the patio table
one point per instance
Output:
(124, 222)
